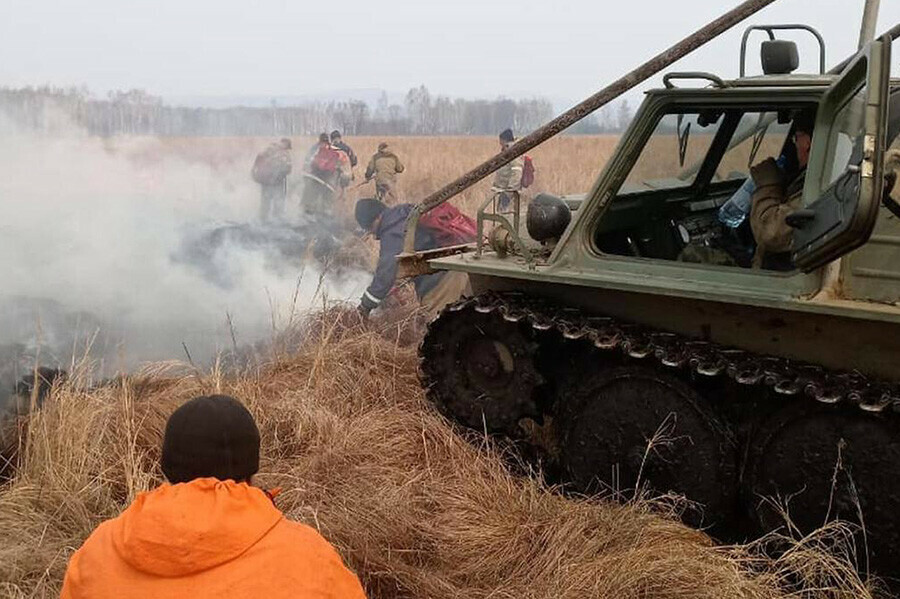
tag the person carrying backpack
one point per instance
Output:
(341, 145)
(324, 167)
(325, 160)
(511, 178)
(270, 170)
(384, 166)
(388, 225)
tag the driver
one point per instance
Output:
(778, 194)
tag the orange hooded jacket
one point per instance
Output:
(207, 538)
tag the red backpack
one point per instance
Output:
(449, 226)
(326, 160)
(527, 172)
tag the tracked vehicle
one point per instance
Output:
(631, 330)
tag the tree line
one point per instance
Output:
(135, 112)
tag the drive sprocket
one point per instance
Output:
(480, 370)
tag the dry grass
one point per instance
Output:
(567, 164)
(416, 511)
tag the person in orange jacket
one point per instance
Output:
(208, 532)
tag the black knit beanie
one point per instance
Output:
(367, 210)
(507, 137)
(210, 436)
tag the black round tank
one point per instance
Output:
(548, 216)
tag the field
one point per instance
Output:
(418, 511)
(564, 164)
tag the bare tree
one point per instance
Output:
(135, 112)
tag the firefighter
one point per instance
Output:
(384, 166)
(270, 170)
(507, 183)
(341, 145)
(388, 225)
(323, 178)
(208, 532)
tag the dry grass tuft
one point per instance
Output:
(414, 508)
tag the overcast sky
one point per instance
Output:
(561, 49)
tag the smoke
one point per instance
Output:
(88, 231)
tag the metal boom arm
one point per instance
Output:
(581, 110)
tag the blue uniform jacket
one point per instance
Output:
(390, 234)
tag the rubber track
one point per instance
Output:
(785, 377)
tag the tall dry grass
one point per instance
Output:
(564, 164)
(567, 164)
(416, 510)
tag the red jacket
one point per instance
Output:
(207, 538)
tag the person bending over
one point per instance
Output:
(388, 225)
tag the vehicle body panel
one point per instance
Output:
(836, 334)
(648, 290)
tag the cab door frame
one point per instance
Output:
(839, 212)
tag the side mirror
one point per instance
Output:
(779, 57)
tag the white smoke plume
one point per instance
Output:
(87, 234)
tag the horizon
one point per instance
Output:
(207, 51)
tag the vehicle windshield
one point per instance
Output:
(667, 161)
(759, 135)
(664, 212)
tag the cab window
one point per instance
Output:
(758, 136)
(848, 133)
(687, 198)
(678, 141)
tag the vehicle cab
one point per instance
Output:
(655, 219)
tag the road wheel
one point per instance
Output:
(821, 463)
(629, 427)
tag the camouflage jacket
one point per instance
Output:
(892, 173)
(509, 176)
(774, 199)
(384, 166)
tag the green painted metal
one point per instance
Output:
(712, 301)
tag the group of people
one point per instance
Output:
(328, 167)
(328, 170)
(208, 531)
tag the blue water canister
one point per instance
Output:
(735, 210)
